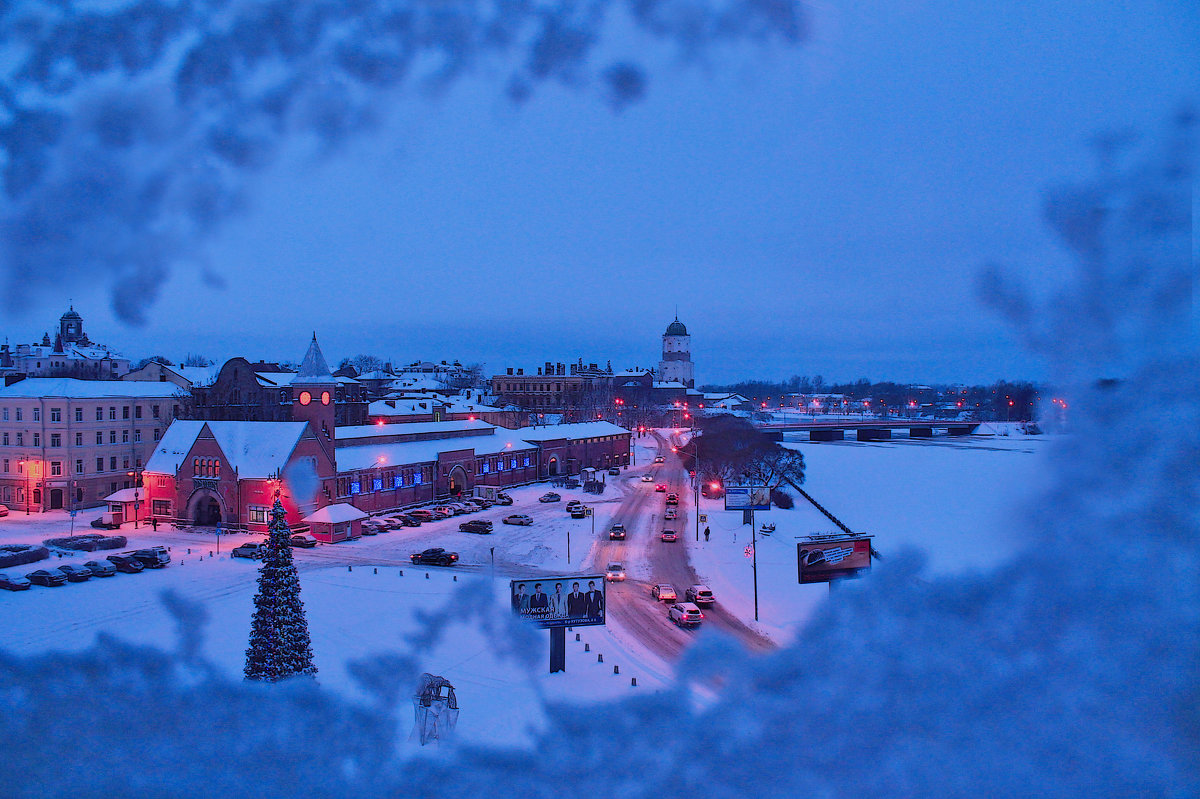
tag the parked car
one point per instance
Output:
(685, 614)
(659, 459)
(4, 512)
(672, 499)
(481, 526)
(570, 482)
(372, 529)
(573, 504)
(252, 551)
(518, 518)
(616, 532)
(434, 557)
(613, 471)
(664, 592)
(104, 524)
(579, 512)
(126, 563)
(549, 496)
(153, 557)
(647, 478)
(443, 512)
(671, 513)
(303, 540)
(614, 573)
(422, 515)
(669, 536)
(76, 573)
(503, 499)
(101, 568)
(408, 520)
(47, 577)
(661, 488)
(14, 582)
(700, 594)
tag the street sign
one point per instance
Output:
(703, 518)
(587, 511)
(73, 513)
(749, 550)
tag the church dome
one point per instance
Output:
(676, 328)
(70, 314)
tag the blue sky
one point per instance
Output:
(822, 209)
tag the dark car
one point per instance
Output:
(616, 532)
(13, 582)
(153, 557)
(434, 557)
(408, 520)
(476, 526)
(101, 568)
(252, 551)
(76, 574)
(503, 499)
(672, 499)
(47, 577)
(303, 540)
(549, 496)
(126, 563)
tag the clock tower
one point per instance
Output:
(313, 396)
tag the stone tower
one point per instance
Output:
(676, 363)
(313, 391)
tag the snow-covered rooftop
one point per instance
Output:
(337, 513)
(255, 449)
(573, 430)
(410, 428)
(73, 388)
(367, 456)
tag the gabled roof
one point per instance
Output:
(573, 431)
(73, 388)
(313, 368)
(255, 449)
(337, 513)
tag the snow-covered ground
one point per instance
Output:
(951, 497)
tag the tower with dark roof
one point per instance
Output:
(70, 328)
(313, 391)
(676, 363)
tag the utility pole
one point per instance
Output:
(754, 554)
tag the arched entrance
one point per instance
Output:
(457, 481)
(552, 467)
(204, 508)
(56, 498)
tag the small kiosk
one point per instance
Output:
(337, 522)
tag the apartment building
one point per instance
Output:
(68, 443)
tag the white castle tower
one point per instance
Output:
(676, 363)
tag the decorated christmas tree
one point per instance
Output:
(279, 642)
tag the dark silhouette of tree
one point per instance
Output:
(279, 642)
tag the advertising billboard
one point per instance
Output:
(747, 498)
(576, 600)
(825, 559)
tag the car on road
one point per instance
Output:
(671, 513)
(14, 582)
(573, 504)
(4, 512)
(614, 573)
(519, 518)
(661, 488)
(408, 520)
(549, 496)
(435, 556)
(152, 557)
(664, 592)
(481, 526)
(422, 515)
(668, 536)
(579, 512)
(303, 540)
(672, 499)
(47, 577)
(126, 563)
(252, 551)
(659, 459)
(101, 568)
(613, 471)
(685, 614)
(503, 498)
(76, 573)
(616, 532)
(647, 478)
(701, 595)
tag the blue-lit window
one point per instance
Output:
(513, 465)
(500, 464)
(377, 484)
(483, 467)
(416, 478)
(397, 481)
(526, 460)
(355, 487)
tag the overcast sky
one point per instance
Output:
(822, 209)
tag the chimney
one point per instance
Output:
(539, 371)
(520, 371)
(510, 371)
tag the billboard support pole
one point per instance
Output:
(754, 552)
(558, 649)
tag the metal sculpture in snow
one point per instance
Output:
(435, 709)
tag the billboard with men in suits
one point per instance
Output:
(570, 601)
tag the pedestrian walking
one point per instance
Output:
(705, 533)
(154, 525)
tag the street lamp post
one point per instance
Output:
(137, 502)
(28, 497)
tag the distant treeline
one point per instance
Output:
(990, 402)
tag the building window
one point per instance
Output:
(137, 411)
(397, 480)
(79, 439)
(6, 414)
(257, 514)
(99, 414)
(513, 465)
(417, 478)
(355, 487)
(37, 439)
(79, 414)
(6, 465)
(125, 463)
(483, 467)
(56, 439)
(20, 439)
(37, 414)
(526, 460)
(99, 437)
(112, 465)
(124, 411)
(137, 436)
(124, 436)
(154, 411)
(18, 414)
(79, 466)
(99, 464)
(161, 507)
(56, 468)
(112, 413)
(5, 439)
(500, 464)
(157, 435)
(377, 484)
(56, 414)
(112, 436)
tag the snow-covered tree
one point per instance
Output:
(279, 642)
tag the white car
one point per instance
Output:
(614, 573)
(671, 513)
(685, 614)
(664, 592)
(518, 518)
(646, 478)
(700, 594)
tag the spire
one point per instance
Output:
(314, 369)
